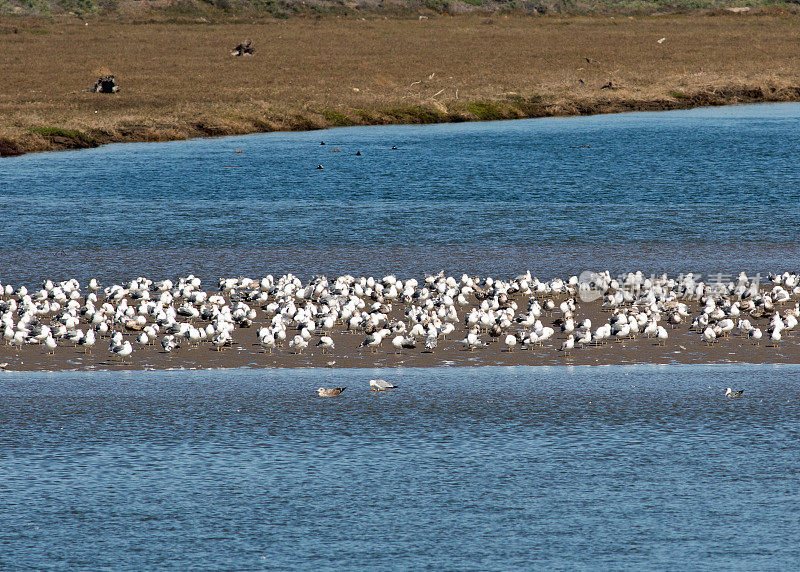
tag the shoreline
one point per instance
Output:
(499, 110)
(400, 368)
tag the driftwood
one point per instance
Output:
(244, 49)
(106, 84)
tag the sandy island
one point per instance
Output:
(509, 308)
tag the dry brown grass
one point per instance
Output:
(178, 80)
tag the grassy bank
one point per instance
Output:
(178, 80)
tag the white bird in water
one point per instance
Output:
(734, 394)
(380, 385)
(332, 392)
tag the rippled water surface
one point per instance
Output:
(484, 468)
(705, 190)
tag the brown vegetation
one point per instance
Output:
(178, 80)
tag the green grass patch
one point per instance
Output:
(414, 114)
(486, 110)
(60, 132)
(336, 118)
(677, 94)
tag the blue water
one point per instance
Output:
(461, 468)
(705, 190)
(493, 468)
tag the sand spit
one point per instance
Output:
(593, 319)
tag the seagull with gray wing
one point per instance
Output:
(380, 385)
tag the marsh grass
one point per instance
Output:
(60, 132)
(178, 80)
(677, 94)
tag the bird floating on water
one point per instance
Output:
(331, 392)
(380, 385)
(734, 394)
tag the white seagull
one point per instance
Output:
(380, 385)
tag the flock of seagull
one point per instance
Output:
(374, 385)
(388, 311)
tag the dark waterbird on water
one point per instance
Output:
(734, 394)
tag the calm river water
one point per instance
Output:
(705, 190)
(459, 468)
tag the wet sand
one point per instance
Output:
(683, 346)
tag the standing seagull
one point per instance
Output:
(87, 341)
(326, 343)
(51, 345)
(430, 344)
